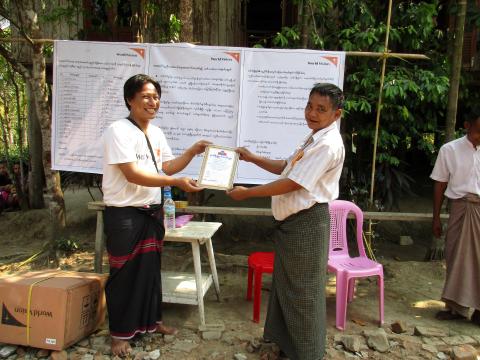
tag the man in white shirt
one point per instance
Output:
(457, 176)
(135, 152)
(308, 181)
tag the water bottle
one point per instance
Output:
(168, 209)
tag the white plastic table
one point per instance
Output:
(182, 288)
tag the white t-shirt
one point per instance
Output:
(123, 142)
(317, 171)
(458, 163)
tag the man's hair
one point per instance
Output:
(333, 92)
(473, 115)
(135, 84)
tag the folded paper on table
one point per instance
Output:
(182, 220)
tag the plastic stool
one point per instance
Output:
(258, 263)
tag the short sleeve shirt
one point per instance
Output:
(317, 171)
(125, 143)
(458, 164)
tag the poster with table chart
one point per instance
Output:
(229, 96)
(88, 80)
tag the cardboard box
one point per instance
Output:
(64, 307)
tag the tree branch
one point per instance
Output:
(7, 15)
(16, 65)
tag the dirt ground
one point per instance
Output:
(412, 286)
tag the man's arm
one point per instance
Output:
(138, 176)
(438, 191)
(176, 165)
(273, 166)
(278, 187)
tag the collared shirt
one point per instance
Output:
(458, 163)
(316, 166)
(125, 143)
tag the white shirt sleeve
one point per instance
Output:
(119, 146)
(440, 170)
(315, 162)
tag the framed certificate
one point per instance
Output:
(219, 167)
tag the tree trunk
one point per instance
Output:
(37, 179)
(455, 70)
(304, 25)
(27, 16)
(5, 139)
(435, 251)
(52, 177)
(186, 16)
(19, 180)
(139, 19)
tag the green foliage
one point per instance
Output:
(473, 14)
(66, 14)
(66, 245)
(174, 28)
(287, 36)
(414, 93)
(10, 129)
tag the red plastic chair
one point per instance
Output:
(258, 263)
(346, 268)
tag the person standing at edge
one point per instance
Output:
(457, 176)
(134, 152)
(308, 181)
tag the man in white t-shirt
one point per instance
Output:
(135, 153)
(457, 176)
(309, 180)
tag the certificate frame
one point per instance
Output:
(210, 157)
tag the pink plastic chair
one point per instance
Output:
(258, 263)
(346, 268)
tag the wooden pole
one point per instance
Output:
(347, 53)
(386, 55)
(455, 71)
(377, 121)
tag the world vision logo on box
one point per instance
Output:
(33, 312)
(8, 318)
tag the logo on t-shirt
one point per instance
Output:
(142, 157)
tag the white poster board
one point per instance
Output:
(229, 96)
(200, 90)
(275, 88)
(88, 80)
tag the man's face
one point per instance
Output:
(145, 104)
(473, 131)
(3, 169)
(16, 169)
(320, 113)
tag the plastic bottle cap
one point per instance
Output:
(181, 204)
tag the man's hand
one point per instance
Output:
(437, 227)
(245, 154)
(238, 193)
(187, 184)
(199, 147)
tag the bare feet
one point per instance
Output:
(166, 330)
(120, 347)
